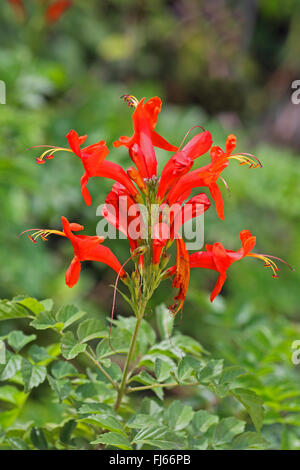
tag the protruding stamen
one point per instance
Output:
(269, 263)
(247, 159)
(42, 233)
(49, 153)
(130, 100)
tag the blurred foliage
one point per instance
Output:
(231, 65)
(76, 406)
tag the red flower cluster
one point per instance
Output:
(141, 184)
(53, 11)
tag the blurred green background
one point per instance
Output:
(225, 65)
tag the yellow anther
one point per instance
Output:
(246, 159)
(131, 100)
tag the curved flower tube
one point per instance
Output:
(208, 175)
(182, 161)
(144, 121)
(219, 259)
(92, 158)
(117, 211)
(195, 207)
(86, 248)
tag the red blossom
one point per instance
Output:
(207, 176)
(145, 138)
(175, 207)
(219, 259)
(56, 10)
(182, 161)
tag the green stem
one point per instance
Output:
(129, 357)
(149, 387)
(97, 364)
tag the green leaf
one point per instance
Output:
(114, 439)
(38, 353)
(187, 367)
(179, 415)
(11, 394)
(104, 349)
(12, 309)
(47, 304)
(70, 348)
(2, 352)
(141, 421)
(17, 340)
(211, 372)
(93, 390)
(94, 407)
(61, 387)
(12, 367)
(158, 436)
(151, 407)
(227, 429)
(32, 374)
(203, 420)
(253, 404)
(43, 321)
(188, 345)
(146, 379)
(61, 369)
(149, 360)
(162, 369)
(38, 438)
(17, 444)
(68, 315)
(230, 374)
(31, 304)
(67, 430)
(90, 329)
(105, 421)
(249, 440)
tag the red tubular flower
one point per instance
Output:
(115, 172)
(144, 121)
(86, 248)
(92, 158)
(117, 212)
(195, 207)
(56, 10)
(219, 259)
(209, 174)
(138, 159)
(182, 161)
(161, 234)
(135, 176)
